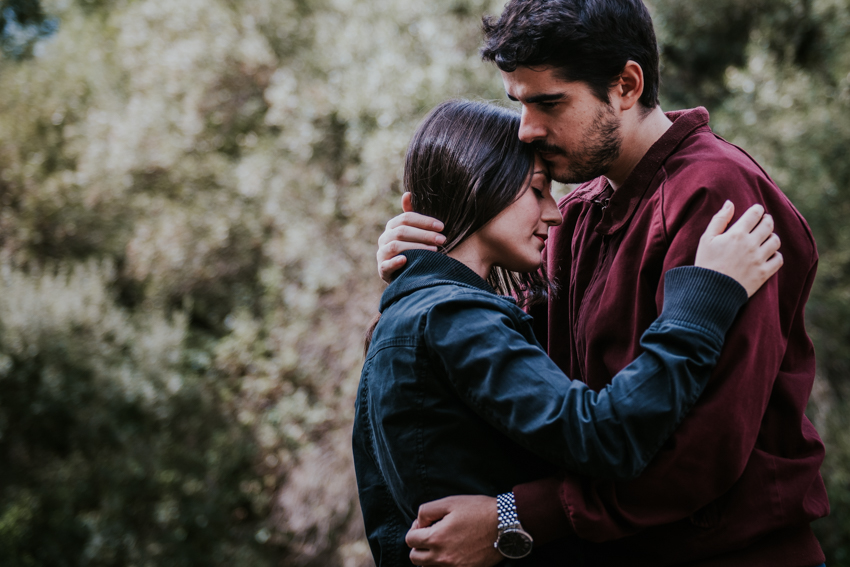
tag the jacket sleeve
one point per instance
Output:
(708, 453)
(498, 369)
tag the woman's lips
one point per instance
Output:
(541, 237)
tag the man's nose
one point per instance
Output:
(551, 214)
(530, 129)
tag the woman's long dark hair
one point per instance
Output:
(464, 166)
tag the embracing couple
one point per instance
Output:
(666, 425)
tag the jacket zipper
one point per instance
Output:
(579, 329)
(601, 203)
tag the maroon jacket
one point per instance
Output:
(739, 481)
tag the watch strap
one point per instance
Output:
(513, 542)
(506, 506)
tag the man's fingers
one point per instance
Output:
(387, 268)
(412, 234)
(415, 220)
(389, 260)
(396, 247)
(748, 220)
(422, 557)
(720, 220)
(407, 231)
(417, 538)
(431, 512)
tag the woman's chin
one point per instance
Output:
(522, 267)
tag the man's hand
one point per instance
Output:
(458, 531)
(407, 231)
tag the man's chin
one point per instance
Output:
(561, 172)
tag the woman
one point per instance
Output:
(456, 395)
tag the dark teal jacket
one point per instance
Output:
(458, 397)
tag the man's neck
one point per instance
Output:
(639, 134)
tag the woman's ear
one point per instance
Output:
(629, 87)
(407, 202)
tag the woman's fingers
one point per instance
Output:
(770, 246)
(720, 220)
(764, 229)
(748, 221)
(746, 251)
(773, 264)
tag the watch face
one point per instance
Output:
(514, 544)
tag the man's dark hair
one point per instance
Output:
(584, 40)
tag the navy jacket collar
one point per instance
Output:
(427, 269)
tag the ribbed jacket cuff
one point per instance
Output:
(702, 297)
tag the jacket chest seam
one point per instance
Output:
(579, 324)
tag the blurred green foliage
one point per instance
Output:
(190, 193)
(22, 24)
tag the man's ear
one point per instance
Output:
(629, 87)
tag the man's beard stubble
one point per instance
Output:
(601, 148)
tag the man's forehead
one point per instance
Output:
(537, 85)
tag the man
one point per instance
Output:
(739, 482)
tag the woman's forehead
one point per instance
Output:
(540, 168)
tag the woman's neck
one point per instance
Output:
(469, 254)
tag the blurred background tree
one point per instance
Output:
(190, 193)
(22, 24)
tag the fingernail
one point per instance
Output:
(440, 239)
(727, 204)
(438, 225)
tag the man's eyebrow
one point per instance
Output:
(540, 97)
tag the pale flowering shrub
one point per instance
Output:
(207, 181)
(114, 449)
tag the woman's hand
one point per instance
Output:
(747, 252)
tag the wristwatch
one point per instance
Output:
(513, 542)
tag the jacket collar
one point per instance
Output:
(427, 269)
(624, 201)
